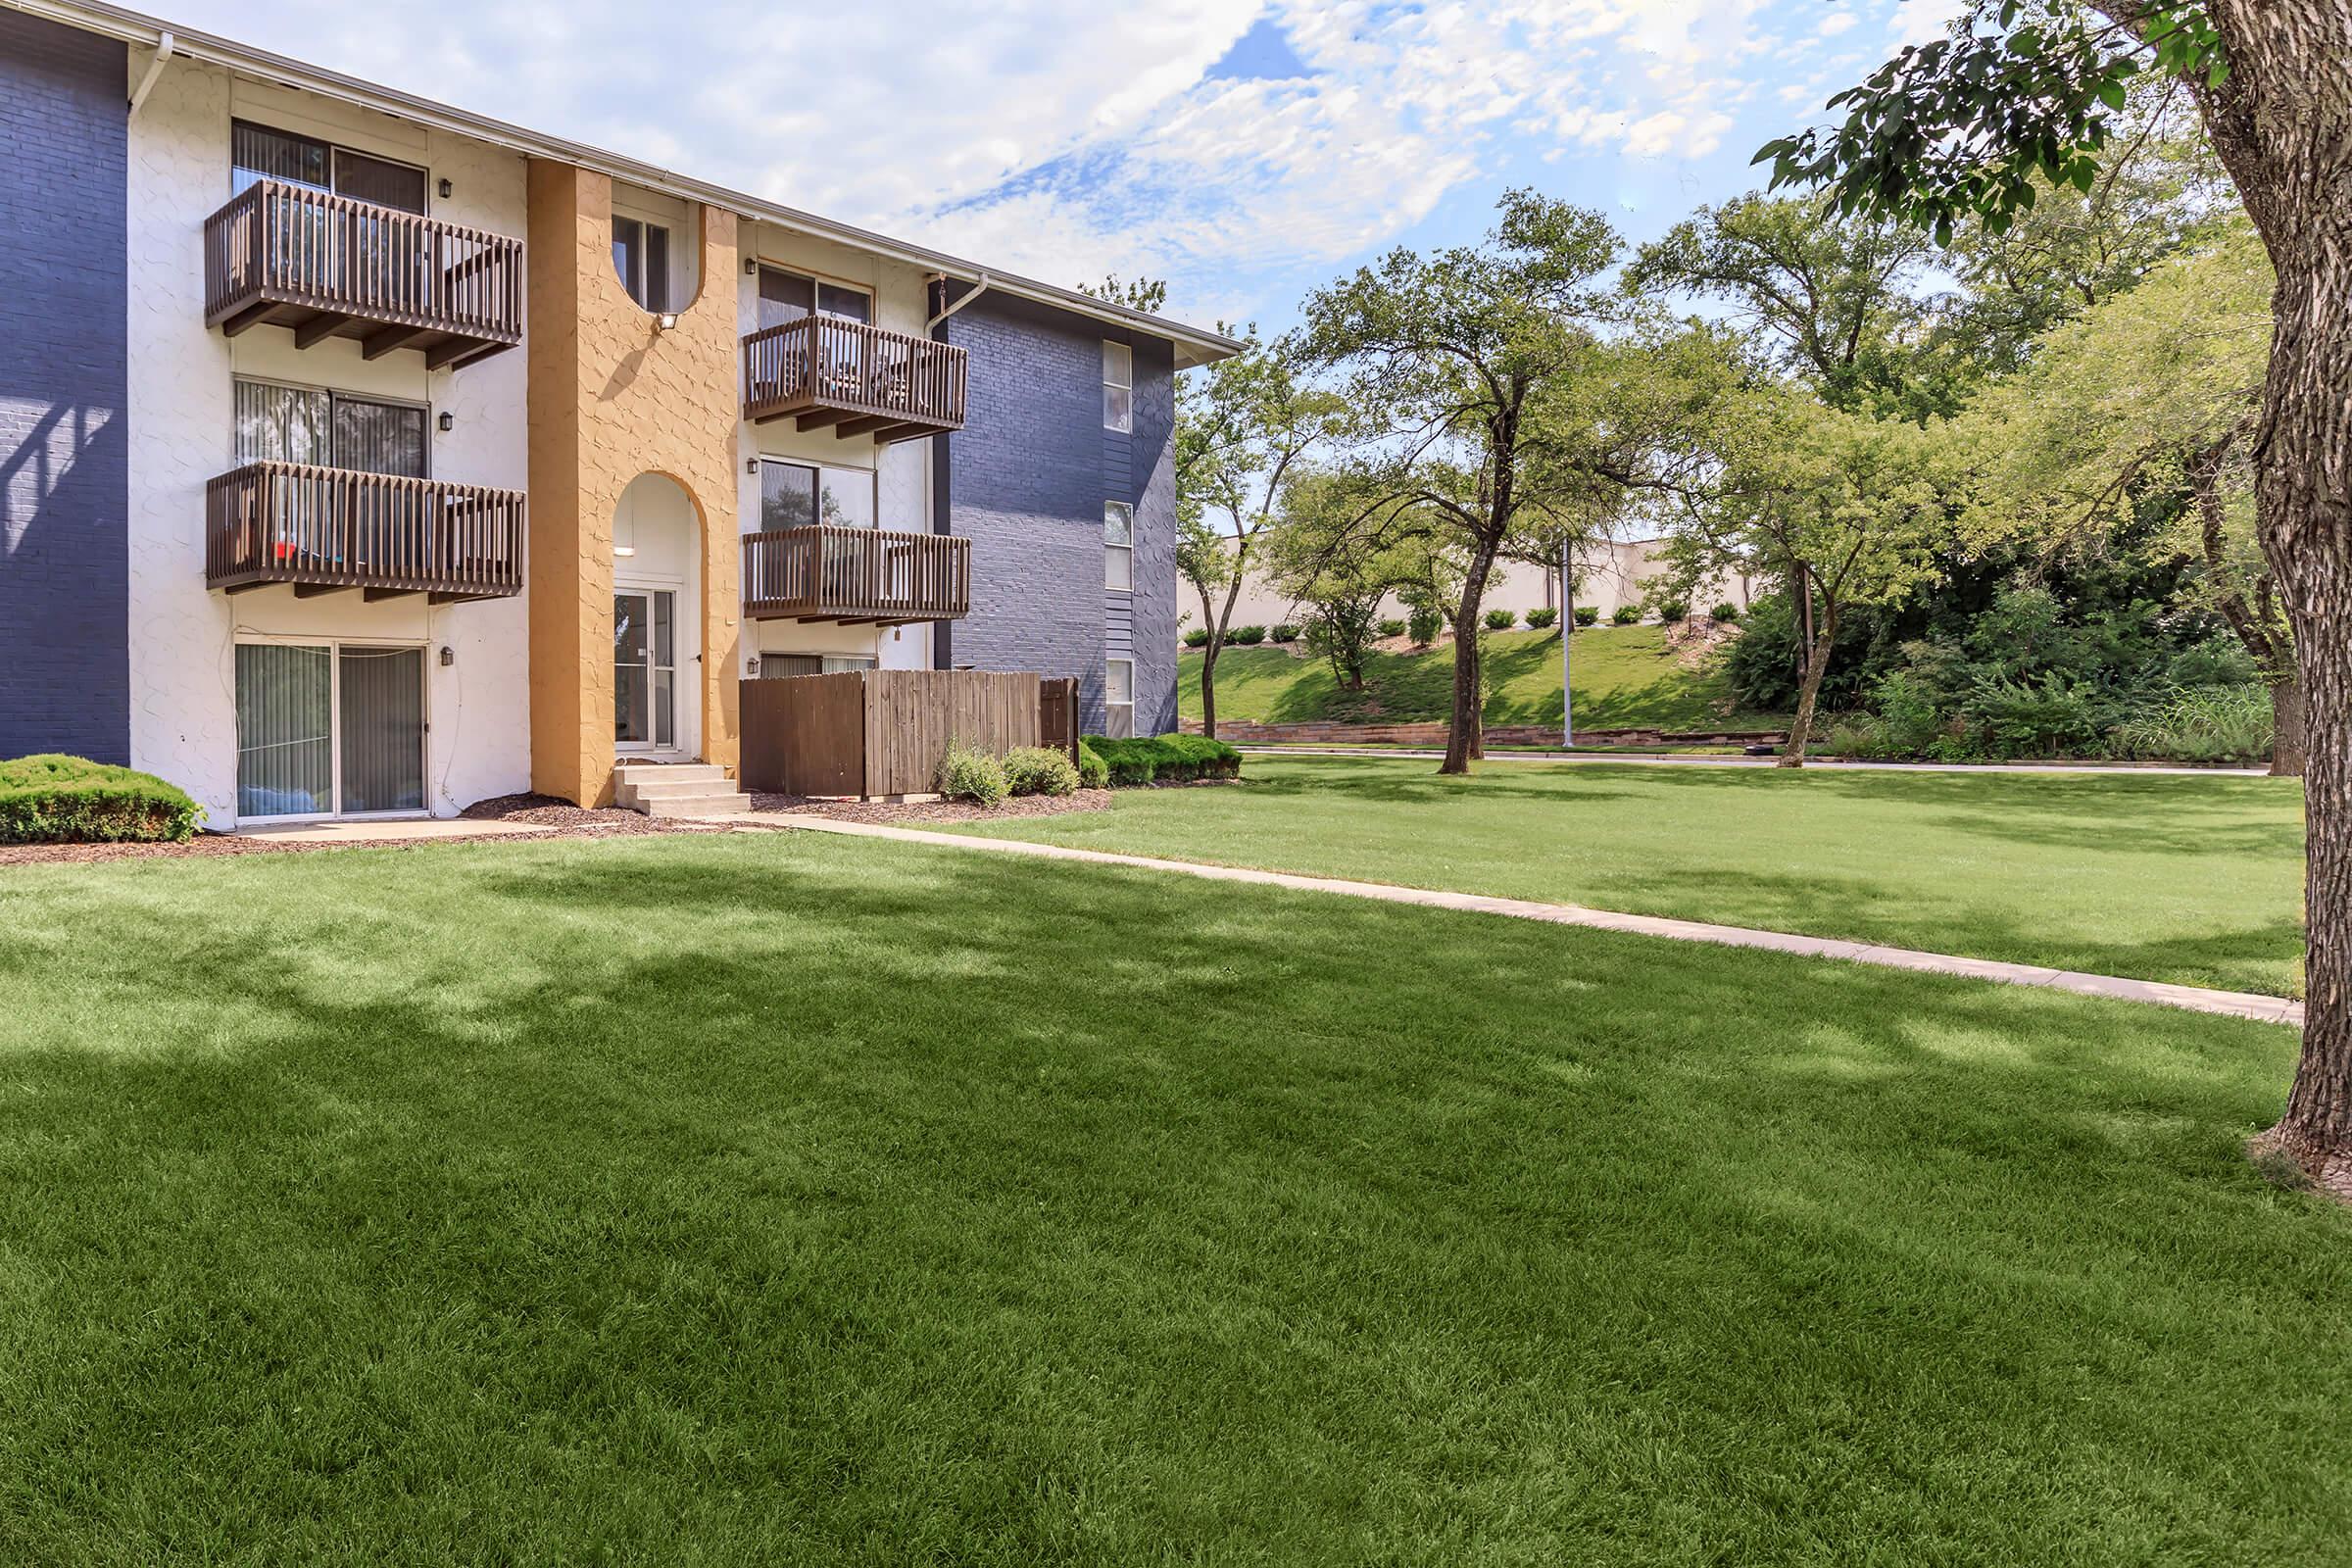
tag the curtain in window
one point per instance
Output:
(285, 741)
(380, 437)
(373, 179)
(256, 152)
(282, 424)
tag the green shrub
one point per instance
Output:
(1425, 625)
(1541, 620)
(1502, 619)
(965, 775)
(1671, 611)
(2201, 724)
(1246, 636)
(1040, 771)
(1392, 626)
(70, 800)
(1284, 633)
(1626, 615)
(1196, 637)
(1166, 759)
(1588, 615)
(1726, 610)
(1092, 773)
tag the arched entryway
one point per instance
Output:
(656, 622)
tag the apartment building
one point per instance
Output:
(361, 454)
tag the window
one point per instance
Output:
(775, 666)
(1118, 699)
(329, 727)
(788, 296)
(303, 424)
(795, 494)
(641, 258)
(1118, 545)
(257, 152)
(1118, 387)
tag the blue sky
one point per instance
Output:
(1243, 149)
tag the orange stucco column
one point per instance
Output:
(614, 396)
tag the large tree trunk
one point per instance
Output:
(1817, 664)
(2286, 728)
(1465, 737)
(1209, 686)
(2281, 121)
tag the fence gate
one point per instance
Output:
(1058, 715)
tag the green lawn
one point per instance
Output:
(1625, 679)
(783, 1199)
(2196, 881)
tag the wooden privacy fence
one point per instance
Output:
(883, 731)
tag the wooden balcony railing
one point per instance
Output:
(331, 267)
(859, 380)
(855, 576)
(325, 529)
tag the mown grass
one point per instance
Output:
(2196, 881)
(767, 1199)
(1625, 678)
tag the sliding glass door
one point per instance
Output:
(325, 729)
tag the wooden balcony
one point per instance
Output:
(858, 380)
(327, 530)
(330, 266)
(856, 577)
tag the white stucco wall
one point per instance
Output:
(184, 716)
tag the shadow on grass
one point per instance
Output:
(693, 1196)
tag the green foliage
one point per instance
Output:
(1426, 622)
(1149, 294)
(1671, 611)
(1588, 615)
(1164, 759)
(1541, 620)
(1040, 771)
(1246, 636)
(968, 775)
(1392, 626)
(1502, 619)
(1092, 773)
(1284, 632)
(51, 799)
(1196, 636)
(2202, 724)
(1625, 614)
(1726, 611)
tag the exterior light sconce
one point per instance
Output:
(751, 266)
(447, 190)
(449, 656)
(667, 322)
(447, 422)
(751, 466)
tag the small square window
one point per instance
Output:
(1118, 387)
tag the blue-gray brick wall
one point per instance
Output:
(64, 635)
(1025, 480)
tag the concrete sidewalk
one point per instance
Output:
(2195, 998)
(1672, 759)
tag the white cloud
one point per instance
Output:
(1837, 21)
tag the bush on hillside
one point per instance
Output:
(1671, 611)
(1040, 771)
(1164, 759)
(966, 774)
(1588, 615)
(1502, 619)
(1092, 773)
(50, 798)
(1196, 637)
(2201, 724)
(1626, 615)
(1392, 626)
(1541, 620)
(1246, 636)
(1284, 633)
(1425, 625)
(1726, 610)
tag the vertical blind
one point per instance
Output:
(285, 742)
(383, 728)
(258, 152)
(300, 425)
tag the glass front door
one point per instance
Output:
(643, 669)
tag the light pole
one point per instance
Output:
(1567, 628)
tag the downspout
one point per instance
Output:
(942, 475)
(155, 69)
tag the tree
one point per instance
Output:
(1149, 294)
(1845, 508)
(1968, 125)
(2150, 397)
(1339, 553)
(1242, 425)
(1492, 374)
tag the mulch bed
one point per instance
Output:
(910, 813)
(548, 811)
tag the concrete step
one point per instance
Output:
(696, 804)
(632, 789)
(669, 772)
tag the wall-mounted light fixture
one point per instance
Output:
(446, 190)
(449, 656)
(751, 266)
(667, 320)
(752, 467)
(448, 422)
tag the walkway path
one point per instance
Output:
(1719, 760)
(2229, 1003)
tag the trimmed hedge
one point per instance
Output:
(1541, 620)
(1246, 636)
(1196, 637)
(1040, 771)
(1502, 619)
(1092, 773)
(70, 799)
(1588, 615)
(1164, 759)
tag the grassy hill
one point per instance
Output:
(1625, 679)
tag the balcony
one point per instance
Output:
(856, 577)
(860, 380)
(331, 267)
(328, 530)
